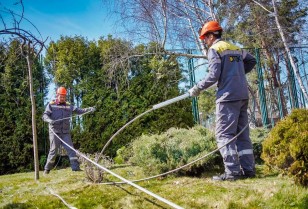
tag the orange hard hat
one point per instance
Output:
(61, 90)
(210, 26)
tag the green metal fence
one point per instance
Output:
(273, 83)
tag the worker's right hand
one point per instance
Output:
(194, 91)
(51, 122)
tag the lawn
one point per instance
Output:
(265, 191)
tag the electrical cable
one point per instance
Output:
(118, 176)
(157, 106)
(194, 161)
(183, 166)
(125, 181)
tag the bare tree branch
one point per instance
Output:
(294, 67)
(28, 49)
(170, 23)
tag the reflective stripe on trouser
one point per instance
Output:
(231, 117)
(54, 147)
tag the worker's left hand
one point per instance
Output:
(92, 109)
(194, 91)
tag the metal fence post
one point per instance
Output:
(192, 77)
(261, 90)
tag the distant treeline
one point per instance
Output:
(110, 74)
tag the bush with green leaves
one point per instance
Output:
(257, 136)
(119, 159)
(286, 147)
(172, 149)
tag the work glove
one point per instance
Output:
(91, 109)
(51, 122)
(194, 91)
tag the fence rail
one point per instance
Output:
(273, 82)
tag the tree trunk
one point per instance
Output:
(273, 71)
(34, 131)
(294, 67)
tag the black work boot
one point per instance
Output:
(227, 177)
(76, 169)
(46, 172)
(249, 174)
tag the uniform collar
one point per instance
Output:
(58, 102)
(219, 39)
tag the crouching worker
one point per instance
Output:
(57, 114)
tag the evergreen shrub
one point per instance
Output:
(257, 136)
(172, 149)
(286, 147)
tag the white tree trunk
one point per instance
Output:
(295, 69)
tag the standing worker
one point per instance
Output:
(228, 65)
(57, 114)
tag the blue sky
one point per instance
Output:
(88, 18)
(53, 18)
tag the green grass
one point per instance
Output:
(265, 191)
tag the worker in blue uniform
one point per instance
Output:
(228, 65)
(57, 114)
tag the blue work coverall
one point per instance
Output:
(56, 111)
(228, 65)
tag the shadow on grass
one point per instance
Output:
(120, 166)
(17, 206)
(262, 171)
